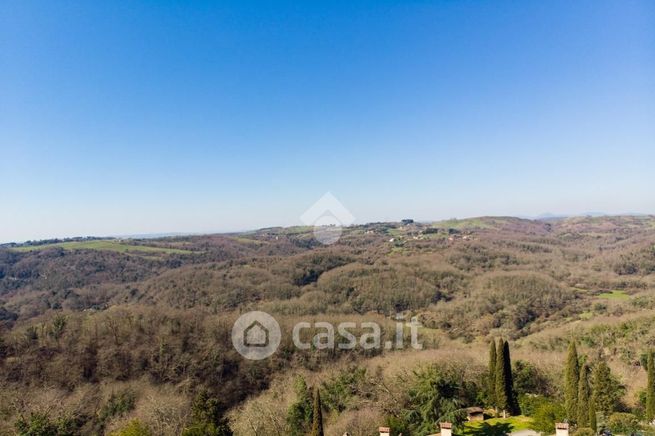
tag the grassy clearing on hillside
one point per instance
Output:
(296, 230)
(496, 426)
(246, 240)
(614, 295)
(107, 244)
(468, 223)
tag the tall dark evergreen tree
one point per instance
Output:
(502, 402)
(317, 415)
(491, 379)
(592, 416)
(512, 402)
(504, 386)
(584, 398)
(650, 388)
(572, 378)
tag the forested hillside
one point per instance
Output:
(104, 335)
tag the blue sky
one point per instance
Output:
(167, 116)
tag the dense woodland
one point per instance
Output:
(97, 340)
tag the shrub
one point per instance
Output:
(528, 379)
(546, 415)
(201, 429)
(339, 390)
(607, 389)
(118, 404)
(206, 417)
(133, 428)
(438, 394)
(624, 423)
(530, 403)
(299, 415)
(40, 424)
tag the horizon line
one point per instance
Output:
(157, 235)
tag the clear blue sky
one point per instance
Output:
(163, 116)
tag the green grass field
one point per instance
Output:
(463, 224)
(496, 426)
(614, 295)
(104, 244)
(245, 240)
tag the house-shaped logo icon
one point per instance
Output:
(327, 216)
(256, 335)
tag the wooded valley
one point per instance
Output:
(132, 336)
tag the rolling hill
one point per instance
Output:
(86, 322)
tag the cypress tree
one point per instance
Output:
(572, 378)
(512, 403)
(584, 398)
(592, 416)
(491, 379)
(502, 400)
(650, 388)
(317, 415)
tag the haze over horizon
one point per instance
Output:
(147, 235)
(156, 118)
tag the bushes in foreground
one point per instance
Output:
(133, 428)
